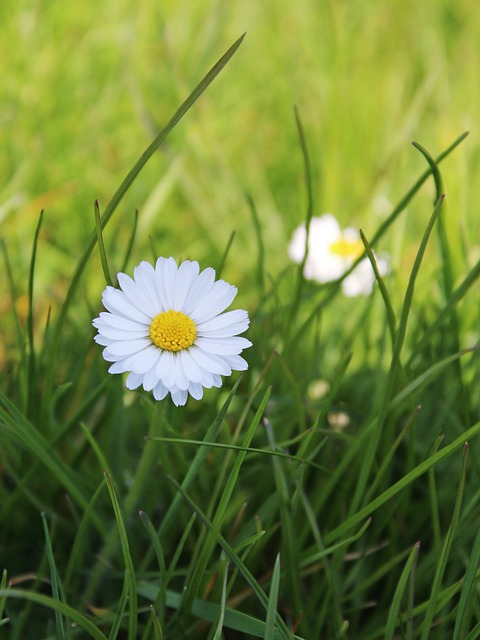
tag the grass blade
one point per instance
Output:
(399, 591)
(129, 570)
(410, 477)
(442, 561)
(235, 559)
(68, 612)
(272, 601)
(221, 612)
(101, 244)
(209, 544)
(464, 613)
(53, 579)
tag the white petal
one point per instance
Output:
(166, 269)
(225, 320)
(170, 380)
(128, 347)
(195, 390)
(164, 364)
(237, 363)
(159, 391)
(137, 294)
(115, 335)
(226, 332)
(112, 321)
(117, 303)
(179, 398)
(201, 287)
(102, 340)
(182, 380)
(187, 274)
(108, 356)
(224, 346)
(134, 380)
(215, 302)
(216, 380)
(118, 367)
(209, 361)
(145, 279)
(143, 361)
(190, 367)
(150, 379)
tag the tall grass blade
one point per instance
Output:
(209, 544)
(157, 627)
(235, 559)
(410, 477)
(465, 610)
(221, 612)
(309, 213)
(273, 601)
(433, 603)
(398, 595)
(395, 366)
(53, 579)
(56, 605)
(101, 244)
(129, 570)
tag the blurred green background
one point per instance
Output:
(85, 87)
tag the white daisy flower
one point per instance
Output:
(331, 252)
(166, 328)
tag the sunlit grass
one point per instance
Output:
(328, 492)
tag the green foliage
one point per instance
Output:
(323, 493)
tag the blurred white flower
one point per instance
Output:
(331, 252)
(166, 328)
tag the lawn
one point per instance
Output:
(324, 483)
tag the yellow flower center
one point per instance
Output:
(173, 331)
(347, 248)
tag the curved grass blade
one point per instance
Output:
(25, 433)
(157, 627)
(301, 267)
(208, 611)
(235, 559)
(65, 610)
(391, 320)
(464, 612)
(379, 233)
(53, 579)
(129, 570)
(30, 322)
(289, 547)
(101, 244)
(260, 245)
(399, 591)
(131, 241)
(443, 559)
(395, 366)
(410, 477)
(273, 601)
(225, 253)
(327, 551)
(221, 612)
(3, 599)
(209, 544)
(157, 547)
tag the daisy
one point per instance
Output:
(331, 252)
(165, 327)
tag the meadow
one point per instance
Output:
(330, 490)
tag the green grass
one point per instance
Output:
(329, 491)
